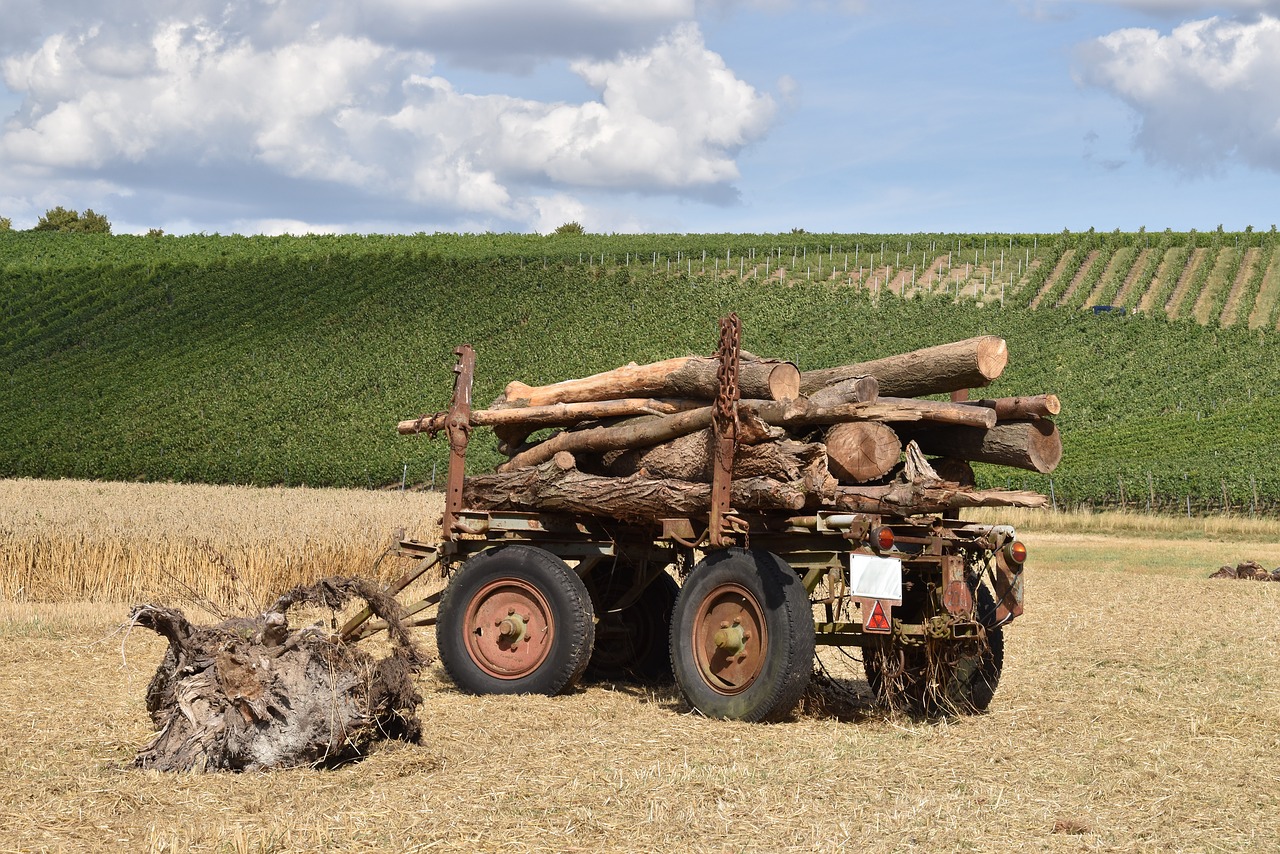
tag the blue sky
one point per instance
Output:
(271, 116)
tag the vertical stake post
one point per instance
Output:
(458, 426)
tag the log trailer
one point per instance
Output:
(729, 602)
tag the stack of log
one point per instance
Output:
(636, 443)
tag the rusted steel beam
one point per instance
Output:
(458, 427)
(724, 424)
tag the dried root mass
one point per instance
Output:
(1248, 571)
(253, 694)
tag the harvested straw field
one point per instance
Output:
(1136, 712)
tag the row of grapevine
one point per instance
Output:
(290, 360)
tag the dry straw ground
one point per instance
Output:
(1137, 712)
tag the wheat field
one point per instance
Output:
(1137, 712)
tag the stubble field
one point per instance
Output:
(1137, 712)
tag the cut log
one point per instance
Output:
(909, 499)
(690, 458)
(1031, 445)
(558, 486)
(690, 376)
(1022, 408)
(554, 415)
(633, 433)
(934, 370)
(852, 390)
(859, 451)
(801, 413)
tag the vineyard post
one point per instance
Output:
(1151, 493)
(1253, 486)
(433, 477)
(1226, 502)
(404, 476)
(1053, 498)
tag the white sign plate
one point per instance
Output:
(872, 577)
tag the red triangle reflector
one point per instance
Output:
(876, 620)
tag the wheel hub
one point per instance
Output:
(730, 639)
(509, 628)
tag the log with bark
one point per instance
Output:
(945, 368)
(252, 694)
(912, 499)
(689, 376)
(690, 458)
(1022, 408)
(1031, 445)
(557, 485)
(860, 451)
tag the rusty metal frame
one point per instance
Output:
(458, 426)
(724, 424)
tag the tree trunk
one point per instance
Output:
(859, 451)
(252, 694)
(1031, 445)
(852, 390)
(906, 499)
(690, 376)
(934, 370)
(690, 458)
(558, 486)
(633, 433)
(554, 415)
(1022, 408)
(801, 413)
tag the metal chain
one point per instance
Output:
(729, 354)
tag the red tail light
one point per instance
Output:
(882, 538)
(1016, 551)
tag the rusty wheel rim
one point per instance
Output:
(509, 628)
(730, 641)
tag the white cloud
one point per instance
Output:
(250, 94)
(1204, 94)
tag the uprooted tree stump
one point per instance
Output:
(1248, 570)
(253, 694)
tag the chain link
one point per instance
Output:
(729, 354)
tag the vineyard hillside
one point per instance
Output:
(289, 360)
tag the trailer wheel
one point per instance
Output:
(742, 636)
(634, 642)
(515, 620)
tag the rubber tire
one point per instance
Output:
(647, 626)
(566, 597)
(973, 695)
(787, 616)
(968, 696)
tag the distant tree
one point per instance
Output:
(6, 224)
(62, 220)
(570, 228)
(798, 231)
(155, 232)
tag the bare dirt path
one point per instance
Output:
(1231, 309)
(1121, 258)
(1174, 304)
(1059, 270)
(1268, 294)
(1089, 261)
(1130, 281)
